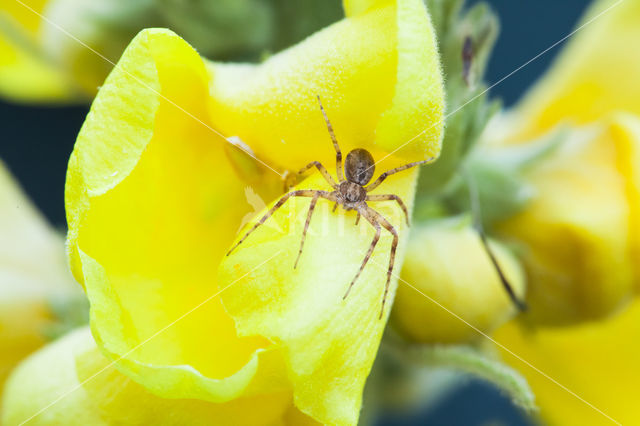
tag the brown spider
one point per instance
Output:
(351, 194)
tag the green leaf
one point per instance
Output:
(474, 362)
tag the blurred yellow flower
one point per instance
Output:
(446, 262)
(596, 360)
(33, 274)
(154, 199)
(26, 72)
(595, 75)
(580, 237)
(62, 50)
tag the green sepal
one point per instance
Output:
(475, 361)
(499, 176)
(468, 109)
(501, 192)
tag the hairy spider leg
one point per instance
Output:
(322, 170)
(335, 143)
(388, 173)
(390, 197)
(312, 206)
(358, 219)
(373, 216)
(376, 225)
(281, 201)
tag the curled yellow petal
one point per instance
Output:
(472, 292)
(95, 393)
(379, 79)
(149, 197)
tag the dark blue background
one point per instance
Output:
(36, 143)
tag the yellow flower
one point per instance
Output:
(446, 262)
(62, 50)
(33, 273)
(581, 235)
(155, 197)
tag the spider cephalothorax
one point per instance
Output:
(351, 193)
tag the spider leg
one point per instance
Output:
(390, 197)
(276, 206)
(358, 219)
(335, 206)
(369, 252)
(322, 170)
(388, 173)
(476, 215)
(335, 143)
(312, 206)
(378, 218)
(522, 306)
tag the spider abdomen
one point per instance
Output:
(359, 166)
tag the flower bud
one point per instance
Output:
(455, 285)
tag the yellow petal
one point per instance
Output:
(33, 271)
(152, 205)
(598, 361)
(88, 391)
(358, 7)
(580, 234)
(595, 75)
(472, 292)
(379, 79)
(329, 344)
